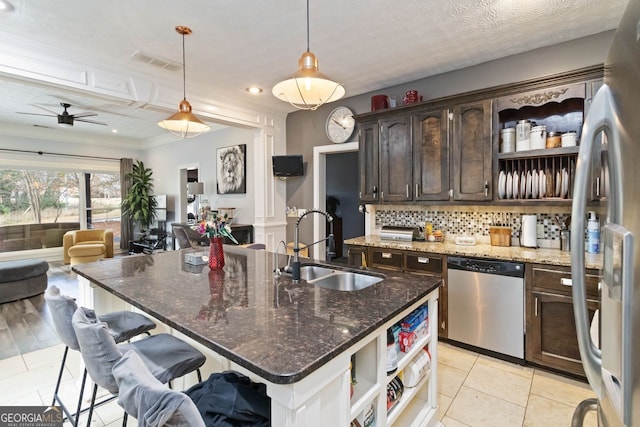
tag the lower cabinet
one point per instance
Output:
(551, 338)
(423, 263)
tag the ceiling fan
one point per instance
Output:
(65, 119)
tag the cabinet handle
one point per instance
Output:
(375, 190)
(536, 307)
(598, 186)
(382, 195)
(407, 191)
(566, 282)
(442, 325)
(417, 192)
(360, 195)
(486, 189)
(387, 255)
(451, 193)
(423, 260)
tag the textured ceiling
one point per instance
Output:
(365, 44)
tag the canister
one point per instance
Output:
(569, 139)
(553, 139)
(508, 140)
(538, 137)
(523, 133)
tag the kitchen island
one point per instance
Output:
(297, 338)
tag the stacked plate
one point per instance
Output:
(533, 184)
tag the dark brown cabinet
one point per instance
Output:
(422, 263)
(368, 160)
(357, 256)
(431, 155)
(428, 155)
(471, 165)
(551, 332)
(395, 159)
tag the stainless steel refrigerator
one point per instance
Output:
(613, 369)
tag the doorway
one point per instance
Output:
(335, 173)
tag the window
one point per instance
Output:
(38, 206)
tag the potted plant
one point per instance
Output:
(139, 203)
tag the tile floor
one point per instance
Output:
(473, 390)
(476, 390)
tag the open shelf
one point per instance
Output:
(407, 398)
(405, 358)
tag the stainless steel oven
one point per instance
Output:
(486, 304)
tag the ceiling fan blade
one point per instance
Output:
(84, 115)
(46, 109)
(95, 122)
(36, 114)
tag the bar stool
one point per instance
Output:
(123, 325)
(166, 356)
(149, 401)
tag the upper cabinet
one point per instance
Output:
(431, 155)
(428, 155)
(395, 159)
(449, 149)
(368, 159)
(471, 161)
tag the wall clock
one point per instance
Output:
(340, 125)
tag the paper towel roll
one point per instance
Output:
(529, 231)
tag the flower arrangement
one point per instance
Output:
(215, 228)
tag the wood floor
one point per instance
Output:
(26, 325)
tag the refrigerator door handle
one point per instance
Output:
(601, 117)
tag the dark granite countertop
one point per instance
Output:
(279, 330)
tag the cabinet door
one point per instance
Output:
(551, 338)
(386, 258)
(368, 159)
(431, 155)
(357, 256)
(471, 142)
(395, 159)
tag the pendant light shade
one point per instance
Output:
(183, 123)
(308, 88)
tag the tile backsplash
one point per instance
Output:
(472, 221)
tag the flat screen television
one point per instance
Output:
(288, 165)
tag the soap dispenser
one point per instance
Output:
(593, 234)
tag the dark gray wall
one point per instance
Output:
(342, 182)
(305, 129)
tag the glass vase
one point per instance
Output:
(216, 253)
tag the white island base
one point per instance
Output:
(322, 399)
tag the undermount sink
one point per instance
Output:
(340, 280)
(311, 272)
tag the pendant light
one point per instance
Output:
(308, 88)
(184, 124)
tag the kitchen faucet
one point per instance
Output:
(276, 270)
(296, 241)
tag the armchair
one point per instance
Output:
(81, 246)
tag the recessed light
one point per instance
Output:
(5, 6)
(254, 90)
(114, 130)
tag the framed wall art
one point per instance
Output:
(231, 170)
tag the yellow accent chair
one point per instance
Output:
(82, 246)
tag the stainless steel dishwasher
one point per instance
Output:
(486, 304)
